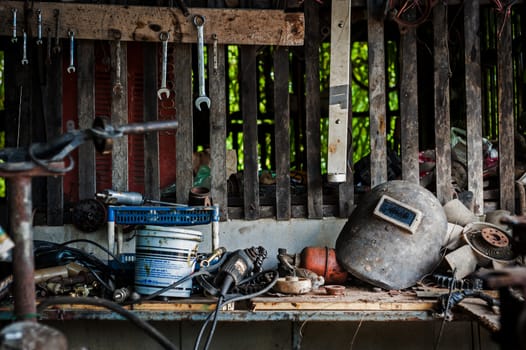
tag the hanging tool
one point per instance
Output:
(13, 38)
(39, 27)
(71, 68)
(199, 22)
(24, 49)
(117, 86)
(56, 14)
(164, 36)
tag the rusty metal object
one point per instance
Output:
(387, 255)
(322, 261)
(489, 242)
(293, 285)
(333, 289)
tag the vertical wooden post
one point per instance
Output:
(119, 116)
(312, 110)
(86, 112)
(442, 114)
(184, 140)
(409, 106)
(249, 110)
(506, 117)
(282, 132)
(150, 108)
(473, 104)
(218, 117)
(377, 96)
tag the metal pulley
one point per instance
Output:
(394, 237)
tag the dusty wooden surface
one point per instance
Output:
(144, 23)
(480, 311)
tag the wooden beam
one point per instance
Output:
(444, 190)
(339, 90)
(312, 111)
(282, 131)
(249, 110)
(150, 108)
(218, 117)
(119, 116)
(409, 106)
(86, 112)
(144, 23)
(506, 117)
(184, 140)
(377, 97)
(473, 103)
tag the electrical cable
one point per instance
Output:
(226, 301)
(83, 240)
(149, 329)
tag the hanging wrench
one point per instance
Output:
(39, 27)
(199, 22)
(13, 38)
(71, 68)
(164, 36)
(24, 49)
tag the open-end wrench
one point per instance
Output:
(13, 37)
(39, 27)
(71, 68)
(164, 36)
(24, 49)
(199, 22)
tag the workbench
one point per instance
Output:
(356, 304)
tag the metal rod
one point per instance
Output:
(20, 207)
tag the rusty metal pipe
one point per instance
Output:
(20, 206)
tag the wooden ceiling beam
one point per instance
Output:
(145, 23)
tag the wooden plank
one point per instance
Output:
(506, 117)
(312, 110)
(484, 316)
(377, 97)
(473, 104)
(343, 306)
(444, 190)
(184, 106)
(52, 95)
(339, 90)
(144, 23)
(249, 110)
(119, 116)
(282, 132)
(86, 111)
(409, 106)
(150, 108)
(218, 117)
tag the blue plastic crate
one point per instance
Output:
(163, 216)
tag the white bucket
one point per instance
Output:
(164, 255)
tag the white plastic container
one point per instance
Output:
(164, 255)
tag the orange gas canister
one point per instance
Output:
(322, 261)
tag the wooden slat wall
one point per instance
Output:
(314, 205)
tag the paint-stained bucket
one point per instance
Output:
(164, 255)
